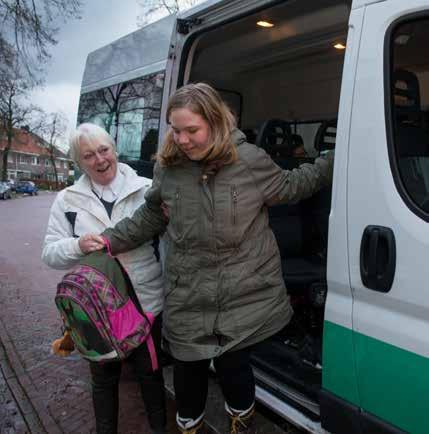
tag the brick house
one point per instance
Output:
(29, 159)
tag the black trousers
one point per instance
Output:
(105, 387)
(235, 377)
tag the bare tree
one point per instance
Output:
(52, 128)
(158, 8)
(29, 27)
(15, 110)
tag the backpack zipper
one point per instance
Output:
(99, 273)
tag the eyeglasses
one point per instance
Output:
(102, 151)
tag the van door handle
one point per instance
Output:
(378, 258)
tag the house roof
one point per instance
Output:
(30, 143)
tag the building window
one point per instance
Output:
(35, 161)
(47, 163)
(22, 159)
(409, 97)
(57, 164)
(10, 158)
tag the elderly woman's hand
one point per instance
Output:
(90, 243)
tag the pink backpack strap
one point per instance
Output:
(152, 352)
(150, 344)
(107, 244)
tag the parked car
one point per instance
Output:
(5, 191)
(12, 184)
(28, 187)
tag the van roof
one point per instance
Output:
(203, 6)
(359, 3)
(207, 5)
(139, 53)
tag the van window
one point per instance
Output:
(409, 99)
(130, 112)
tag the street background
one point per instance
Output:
(40, 392)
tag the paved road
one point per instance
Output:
(40, 392)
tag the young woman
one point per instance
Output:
(224, 286)
(107, 192)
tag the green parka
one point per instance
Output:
(224, 285)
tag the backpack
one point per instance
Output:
(95, 300)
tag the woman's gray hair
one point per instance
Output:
(90, 132)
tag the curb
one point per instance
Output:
(28, 399)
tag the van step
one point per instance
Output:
(285, 364)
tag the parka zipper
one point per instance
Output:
(234, 199)
(178, 212)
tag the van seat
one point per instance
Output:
(412, 143)
(275, 137)
(301, 232)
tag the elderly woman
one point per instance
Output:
(107, 192)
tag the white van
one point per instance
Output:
(313, 76)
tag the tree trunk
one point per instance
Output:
(4, 166)
(5, 155)
(55, 171)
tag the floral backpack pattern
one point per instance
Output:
(95, 306)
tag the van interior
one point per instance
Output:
(282, 79)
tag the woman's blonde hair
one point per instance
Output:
(202, 99)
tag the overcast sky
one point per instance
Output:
(102, 22)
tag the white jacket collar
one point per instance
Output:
(83, 187)
(130, 184)
(111, 191)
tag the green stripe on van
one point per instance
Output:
(393, 383)
(338, 375)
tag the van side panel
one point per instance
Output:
(391, 327)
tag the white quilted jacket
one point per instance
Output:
(61, 249)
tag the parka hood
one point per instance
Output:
(238, 137)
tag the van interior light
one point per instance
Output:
(265, 24)
(340, 46)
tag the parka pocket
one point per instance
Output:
(234, 202)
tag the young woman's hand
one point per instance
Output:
(90, 243)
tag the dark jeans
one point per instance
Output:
(235, 377)
(105, 387)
